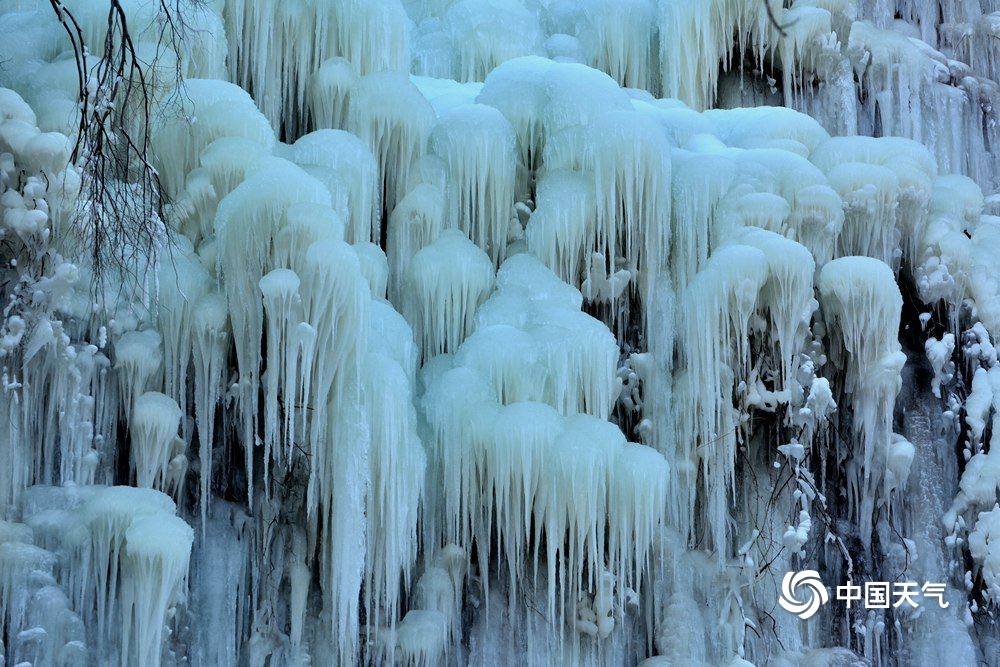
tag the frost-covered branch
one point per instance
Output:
(121, 211)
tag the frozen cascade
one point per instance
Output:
(499, 331)
(858, 298)
(477, 144)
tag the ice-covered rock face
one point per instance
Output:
(505, 331)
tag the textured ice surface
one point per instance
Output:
(505, 331)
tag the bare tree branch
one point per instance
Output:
(121, 213)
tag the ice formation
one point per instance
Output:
(500, 331)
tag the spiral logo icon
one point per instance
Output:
(813, 591)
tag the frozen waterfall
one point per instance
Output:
(481, 332)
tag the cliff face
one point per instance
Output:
(490, 332)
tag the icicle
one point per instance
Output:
(350, 172)
(208, 109)
(862, 306)
(330, 92)
(690, 63)
(148, 569)
(154, 425)
(486, 34)
(786, 296)
(563, 223)
(700, 181)
(447, 281)
(817, 216)
(768, 127)
(228, 160)
(637, 501)
(390, 334)
(569, 358)
(715, 314)
(415, 222)
(139, 363)
(14, 465)
(389, 114)
(869, 198)
(577, 96)
(630, 161)
(246, 223)
(984, 550)
(508, 359)
(477, 144)
(518, 89)
(335, 300)
(154, 578)
(373, 36)
(210, 345)
(183, 281)
(283, 310)
(421, 638)
(375, 268)
(21, 565)
(303, 225)
(619, 38)
(397, 463)
(515, 464)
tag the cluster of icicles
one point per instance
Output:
(420, 324)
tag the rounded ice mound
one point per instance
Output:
(155, 420)
(210, 109)
(478, 146)
(447, 281)
(487, 33)
(350, 172)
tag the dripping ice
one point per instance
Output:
(504, 331)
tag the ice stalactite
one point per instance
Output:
(525, 452)
(154, 577)
(886, 212)
(155, 420)
(210, 339)
(374, 268)
(574, 352)
(477, 145)
(691, 73)
(858, 298)
(432, 266)
(244, 258)
(388, 113)
(628, 156)
(702, 180)
(563, 221)
(336, 302)
(397, 467)
(618, 39)
(372, 36)
(349, 170)
(786, 297)
(330, 92)
(447, 281)
(518, 89)
(124, 557)
(282, 307)
(205, 115)
(183, 282)
(201, 32)
(139, 362)
(416, 221)
(486, 34)
(713, 343)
